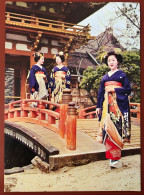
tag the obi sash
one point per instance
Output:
(113, 83)
(59, 74)
(39, 72)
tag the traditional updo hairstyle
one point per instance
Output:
(118, 57)
(37, 56)
(61, 55)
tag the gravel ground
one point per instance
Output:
(95, 176)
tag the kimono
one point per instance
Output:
(115, 118)
(37, 81)
(59, 80)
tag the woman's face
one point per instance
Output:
(112, 62)
(58, 60)
(41, 60)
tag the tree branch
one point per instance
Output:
(128, 18)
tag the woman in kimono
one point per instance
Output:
(59, 79)
(113, 107)
(38, 80)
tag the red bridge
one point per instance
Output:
(50, 134)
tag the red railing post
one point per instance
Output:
(91, 116)
(71, 127)
(51, 119)
(33, 114)
(81, 113)
(24, 113)
(138, 113)
(8, 16)
(10, 114)
(41, 116)
(16, 113)
(6, 116)
(66, 98)
(135, 109)
(63, 114)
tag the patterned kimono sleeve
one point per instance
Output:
(68, 78)
(52, 80)
(32, 79)
(123, 93)
(126, 88)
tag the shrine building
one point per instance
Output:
(48, 27)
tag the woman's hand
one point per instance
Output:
(33, 89)
(45, 78)
(98, 110)
(126, 140)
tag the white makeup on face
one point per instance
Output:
(58, 60)
(41, 60)
(112, 62)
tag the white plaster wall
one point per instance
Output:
(8, 45)
(54, 51)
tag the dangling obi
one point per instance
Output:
(113, 83)
(111, 121)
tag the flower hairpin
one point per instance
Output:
(38, 54)
(61, 53)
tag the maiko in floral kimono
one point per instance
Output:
(115, 119)
(59, 80)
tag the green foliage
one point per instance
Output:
(92, 78)
(131, 66)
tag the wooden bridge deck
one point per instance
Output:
(91, 126)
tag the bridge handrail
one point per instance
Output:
(88, 113)
(30, 101)
(25, 112)
(46, 117)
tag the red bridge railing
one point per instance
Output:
(22, 111)
(89, 113)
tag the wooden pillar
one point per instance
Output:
(23, 80)
(32, 62)
(71, 127)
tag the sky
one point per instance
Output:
(101, 19)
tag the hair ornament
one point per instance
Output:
(54, 57)
(103, 56)
(37, 54)
(61, 53)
